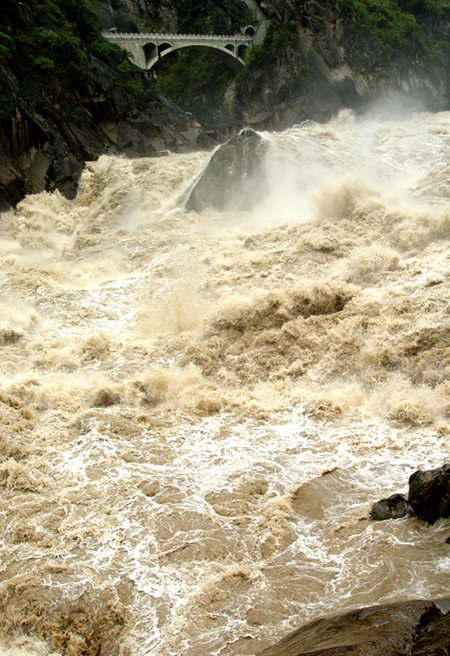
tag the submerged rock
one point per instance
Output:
(429, 494)
(401, 629)
(235, 176)
(394, 507)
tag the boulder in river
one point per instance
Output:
(429, 494)
(400, 629)
(235, 177)
(394, 507)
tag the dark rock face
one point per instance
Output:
(429, 494)
(394, 507)
(401, 629)
(47, 135)
(234, 177)
(137, 15)
(436, 640)
(334, 66)
(33, 155)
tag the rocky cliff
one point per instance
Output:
(320, 56)
(67, 95)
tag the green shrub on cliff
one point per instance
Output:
(43, 64)
(211, 16)
(58, 46)
(52, 41)
(398, 24)
(6, 45)
(194, 80)
(280, 43)
(107, 52)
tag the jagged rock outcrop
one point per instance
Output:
(419, 628)
(235, 176)
(172, 16)
(137, 15)
(428, 498)
(316, 62)
(429, 494)
(394, 507)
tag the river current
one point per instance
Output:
(198, 410)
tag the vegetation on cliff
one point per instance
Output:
(383, 30)
(67, 96)
(403, 24)
(389, 29)
(50, 41)
(322, 55)
(194, 81)
(211, 16)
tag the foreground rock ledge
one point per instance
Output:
(416, 628)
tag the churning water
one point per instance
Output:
(199, 410)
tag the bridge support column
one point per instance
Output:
(137, 52)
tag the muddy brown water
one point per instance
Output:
(199, 410)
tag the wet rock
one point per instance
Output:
(235, 176)
(436, 640)
(401, 629)
(429, 494)
(48, 131)
(394, 507)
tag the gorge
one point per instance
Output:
(216, 360)
(68, 95)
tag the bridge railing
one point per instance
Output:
(186, 37)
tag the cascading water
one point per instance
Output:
(198, 410)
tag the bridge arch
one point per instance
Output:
(224, 54)
(150, 53)
(164, 46)
(243, 51)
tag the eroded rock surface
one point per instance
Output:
(429, 494)
(235, 176)
(401, 629)
(428, 498)
(394, 507)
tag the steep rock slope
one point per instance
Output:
(61, 105)
(182, 16)
(322, 55)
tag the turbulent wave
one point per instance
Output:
(198, 410)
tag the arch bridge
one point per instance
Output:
(148, 49)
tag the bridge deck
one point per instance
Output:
(242, 38)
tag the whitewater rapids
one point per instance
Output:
(199, 410)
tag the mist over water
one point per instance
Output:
(198, 411)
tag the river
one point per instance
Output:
(198, 410)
